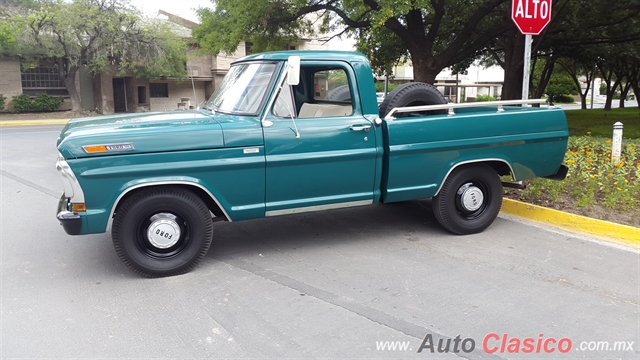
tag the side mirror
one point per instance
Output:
(293, 71)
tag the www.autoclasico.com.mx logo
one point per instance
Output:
(503, 343)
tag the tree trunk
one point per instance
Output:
(624, 90)
(512, 88)
(611, 90)
(70, 83)
(425, 68)
(583, 100)
(636, 90)
(513, 67)
(545, 76)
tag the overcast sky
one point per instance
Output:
(187, 10)
(183, 8)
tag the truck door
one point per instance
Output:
(320, 150)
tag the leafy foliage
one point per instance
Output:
(2, 100)
(42, 102)
(22, 103)
(560, 85)
(485, 98)
(435, 34)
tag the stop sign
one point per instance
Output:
(531, 16)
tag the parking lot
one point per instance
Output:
(383, 281)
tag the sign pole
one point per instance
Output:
(527, 66)
(531, 17)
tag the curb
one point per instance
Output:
(581, 224)
(33, 122)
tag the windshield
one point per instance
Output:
(242, 89)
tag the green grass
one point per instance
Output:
(600, 123)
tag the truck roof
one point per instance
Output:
(348, 56)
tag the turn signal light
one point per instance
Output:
(95, 148)
(79, 207)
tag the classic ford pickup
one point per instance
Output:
(292, 132)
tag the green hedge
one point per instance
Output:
(42, 102)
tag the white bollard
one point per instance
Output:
(616, 143)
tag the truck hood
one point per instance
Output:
(140, 133)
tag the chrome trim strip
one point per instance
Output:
(513, 174)
(318, 208)
(72, 187)
(452, 106)
(160, 183)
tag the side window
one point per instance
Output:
(331, 95)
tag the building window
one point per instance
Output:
(43, 79)
(142, 94)
(159, 90)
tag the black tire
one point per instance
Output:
(413, 94)
(469, 200)
(145, 225)
(341, 93)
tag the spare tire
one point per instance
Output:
(341, 93)
(413, 94)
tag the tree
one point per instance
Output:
(575, 25)
(93, 33)
(436, 34)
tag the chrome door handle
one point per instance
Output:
(364, 128)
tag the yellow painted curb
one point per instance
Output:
(33, 122)
(576, 223)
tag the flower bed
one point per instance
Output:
(594, 186)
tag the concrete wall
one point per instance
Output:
(10, 82)
(178, 90)
(199, 65)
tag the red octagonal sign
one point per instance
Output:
(531, 16)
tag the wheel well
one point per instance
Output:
(502, 168)
(203, 195)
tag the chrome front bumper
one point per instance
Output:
(71, 222)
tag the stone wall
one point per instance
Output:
(178, 90)
(10, 82)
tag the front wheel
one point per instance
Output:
(162, 231)
(469, 200)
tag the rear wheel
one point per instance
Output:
(469, 200)
(162, 231)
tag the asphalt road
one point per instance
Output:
(338, 284)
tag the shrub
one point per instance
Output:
(563, 99)
(2, 99)
(22, 103)
(44, 102)
(485, 98)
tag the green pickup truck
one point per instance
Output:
(293, 132)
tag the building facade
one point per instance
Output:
(114, 92)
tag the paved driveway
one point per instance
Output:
(341, 284)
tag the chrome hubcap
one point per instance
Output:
(164, 231)
(472, 198)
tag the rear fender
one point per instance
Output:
(496, 163)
